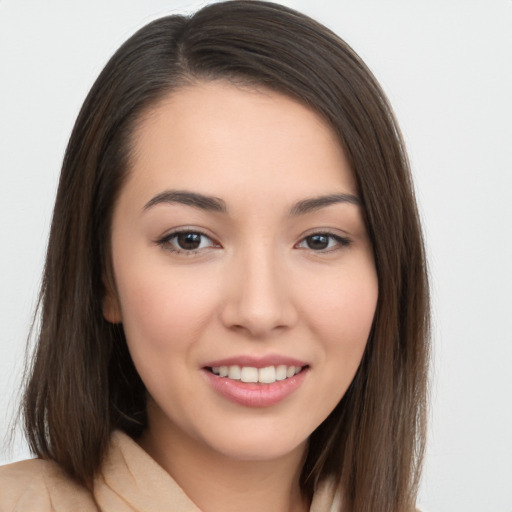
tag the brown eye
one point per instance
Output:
(323, 242)
(317, 242)
(186, 242)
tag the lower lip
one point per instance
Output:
(255, 395)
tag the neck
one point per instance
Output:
(217, 483)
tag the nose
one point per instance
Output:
(259, 301)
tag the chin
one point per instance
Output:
(261, 445)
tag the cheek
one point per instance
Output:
(342, 311)
(347, 303)
(163, 312)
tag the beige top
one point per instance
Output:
(129, 481)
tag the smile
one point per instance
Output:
(266, 375)
(256, 382)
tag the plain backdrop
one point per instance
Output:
(447, 69)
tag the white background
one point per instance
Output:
(447, 68)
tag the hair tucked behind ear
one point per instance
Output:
(83, 383)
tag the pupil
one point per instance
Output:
(189, 241)
(318, 241)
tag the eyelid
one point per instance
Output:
(165, 240)
(342, 241)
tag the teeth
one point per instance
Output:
(221, 370)
(249, 374)
(234, 372)
(281, 372)
(267, 375)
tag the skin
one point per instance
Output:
(256, 285)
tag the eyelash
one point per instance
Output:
(166, 242)
(340, 241)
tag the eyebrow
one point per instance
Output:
(215, 204)
(193, 199)
(316, 203)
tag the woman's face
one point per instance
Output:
(245, 278)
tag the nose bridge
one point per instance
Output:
(260, 299)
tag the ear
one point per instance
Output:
(110, 305)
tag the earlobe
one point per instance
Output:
(111, 311)
(110, 306)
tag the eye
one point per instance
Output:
(323, 242)
(186, 241)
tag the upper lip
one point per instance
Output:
(256, 361)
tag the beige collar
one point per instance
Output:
(131, 480)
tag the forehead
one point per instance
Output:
(215, 137)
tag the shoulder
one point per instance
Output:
(327, 497)
(38, 485)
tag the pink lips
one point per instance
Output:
(256, 362)
(255, 394)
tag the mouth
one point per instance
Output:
(256, 381)
(254, 375)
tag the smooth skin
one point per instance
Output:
(256, 268)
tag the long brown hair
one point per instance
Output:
(83, 384)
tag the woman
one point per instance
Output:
(235, 303)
